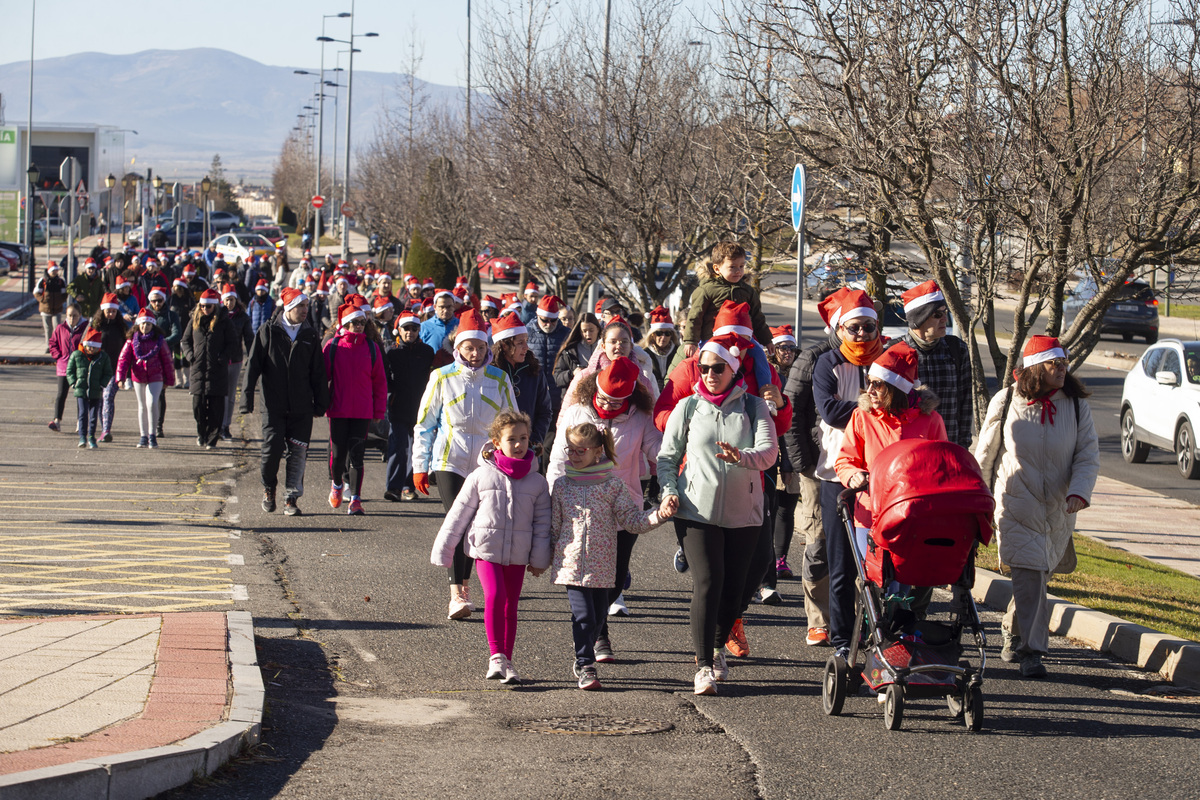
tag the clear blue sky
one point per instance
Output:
(270, 31)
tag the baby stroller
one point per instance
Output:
(931, 507)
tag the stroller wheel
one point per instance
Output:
(893, 707)
(833, 685)
(955, 703)
(973, 714)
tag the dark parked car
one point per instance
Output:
(1134, 309)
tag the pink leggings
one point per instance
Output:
(501, 591)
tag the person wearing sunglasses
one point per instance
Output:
(1038, 447)
(838, 379)
(716, 445)
(943, 362)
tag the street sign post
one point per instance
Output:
(318, 201)
(68, 173)
(799, 181)
(347, 210)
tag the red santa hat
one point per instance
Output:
(618, 380)
(513, 304)
(531, 288)
(382, 304)
(660, 320)
(262, 285)
(460, 294)
(440, 293)
(357, 300)
(856, 303)
(91, 339)
(733, 318)
(291, 298)
(210, 298)
(730, 347)
(180, 282)
(157, 290)
(120, 281)
(109, 300)
(145, 315)
(784, 334)
(408, 319)
(189, 272)
(322, 287)
(896, 366)
(489, 302)
(89, 263)
(342, 279)
(1040, 349)
(922, 295)
(599, 306)
(228, 291)
(53, 267)
(461, 280)
(830, 308)
(348, 312)
(151, 262)
(549, 306)
(471, 325)
(507, 326)
(429, 284)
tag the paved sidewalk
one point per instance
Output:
(1145, 523)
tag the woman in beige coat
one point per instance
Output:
(1039, 446)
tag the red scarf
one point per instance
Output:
(609, 413)
(1048, 408)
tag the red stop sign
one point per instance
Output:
(318, 201)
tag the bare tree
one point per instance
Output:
(293, 178)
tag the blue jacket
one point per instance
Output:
(434, 331)
(545, 347)
(260, 311)
(528, 313)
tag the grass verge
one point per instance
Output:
(1126, 586)
(293, 240)
(1182, 310)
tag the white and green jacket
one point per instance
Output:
(452, 424)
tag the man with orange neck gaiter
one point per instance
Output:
(838, 378)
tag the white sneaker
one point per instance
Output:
(704, 682)
(720, 669)
(496, 667)
(459, 607)
(466, 596)
(618, 607)
(511, 676)
(769, 597)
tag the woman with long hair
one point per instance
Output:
(576, 350)
(243, 331)
(511, 353)
(209, 342)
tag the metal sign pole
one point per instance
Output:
(798, 193)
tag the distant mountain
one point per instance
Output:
(189, 104)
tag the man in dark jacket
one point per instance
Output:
(87, 289)
(943, 362)
(408, 366)
(546, 337)
(286, 354)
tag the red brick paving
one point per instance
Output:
(188, 694)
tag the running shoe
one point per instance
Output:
(335, 496)
(681, 565)
(496, 664)
(355, 508)
(290, 508)
(511, 676)
(143, 441)
(53, 425)
(782, 570)
(769, 597)
(720, 669)
(588, 679)
(604, 651)
(618, 607)
(817, 637)
(704, 683)
(268, 501)
(736, 644)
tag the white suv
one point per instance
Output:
(1160, 405)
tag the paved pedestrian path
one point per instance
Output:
(1145, 523)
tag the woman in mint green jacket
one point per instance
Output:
(716, 445)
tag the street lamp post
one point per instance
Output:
(157, 183)
(205, 185)
(31, 176)
(109, 182)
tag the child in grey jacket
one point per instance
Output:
(504, 512)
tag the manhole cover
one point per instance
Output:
(593, 726)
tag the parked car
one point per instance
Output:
(835, 271)
(499, 268)
(223, 221)
(1160, 405)
(1134, 309)
(272, 233)
(11, 255)
(39, 232)
(261, 221)
(243, 245)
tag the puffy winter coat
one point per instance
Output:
(51, 294)
(292, 372)
(209, 349)
(567, 362)
(584, 520)
(545, 347)
(260, 309)
(157, 366)
(710, 490)
(1037, 465)
(357, 377)
(800, 439)
(633, 433)
(168, 323)
(87, 292)
(870, 431)
(505, 521)
(89, 376)
(706, 301)
(528, 382)
(452, 424)
(408, 367)
(64, 341)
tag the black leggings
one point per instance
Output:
(60, 400)
(449, 484)
(347, 441)
(625, 543)
(719, 561)
(785, 523)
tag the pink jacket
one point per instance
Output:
(357, 381)
(158, 367)
(64, 342)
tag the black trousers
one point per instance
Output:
(209, 410)
(763, 561)
(449, 484)
(347, 443)
(285, 434)
(60, 400)
(162, 407)
(719, 561)
(625, 543)
(842, 572)
(589, 616)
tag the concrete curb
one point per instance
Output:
(12, 313)
(145, 773)
(1177, 660)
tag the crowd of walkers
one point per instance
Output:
(555, 440)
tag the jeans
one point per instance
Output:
(108, 405)
(842, 572)
(399, 456)
(49, 323)
(87, 410)
(589, 614)
(147, 395)
(291, 435)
